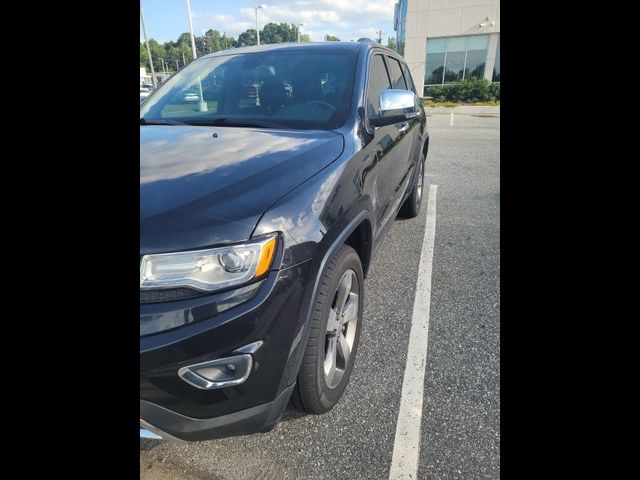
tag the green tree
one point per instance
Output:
(172, 52)
(144, 61)
(184, 38)
(228, 42)
(271, 33)
(331, 38)
(157, 52)
(391, 43)
(202, 45)
(214, 41)
(279, 33)
(305, 38)
(247, 38)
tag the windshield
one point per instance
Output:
(279, 89)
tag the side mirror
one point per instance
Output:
(396, 106)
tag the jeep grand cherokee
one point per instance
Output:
(260, 212)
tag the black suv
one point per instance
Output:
(260, 212)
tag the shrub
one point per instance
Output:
(494, 90)
(469, 90)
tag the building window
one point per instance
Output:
(401, 25)
(476, 56)
(436, 48)
(496, 63)
(455, 58)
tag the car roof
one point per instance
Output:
(307, 46)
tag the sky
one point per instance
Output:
(347, 19)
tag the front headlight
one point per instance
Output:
(208, 270)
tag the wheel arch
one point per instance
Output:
(357, 228)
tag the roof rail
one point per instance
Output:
(365, 39)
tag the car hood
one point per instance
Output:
(202, 186)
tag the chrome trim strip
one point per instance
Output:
(198, 381)
(251, 348)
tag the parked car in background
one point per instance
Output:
(258, 225)
(191, 96)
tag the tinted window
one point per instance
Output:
(407, 77)
(378, 81)
(290, 89)
(397, 81)
(464, 57)
(434, 70)
(454, 68)
(476, 56)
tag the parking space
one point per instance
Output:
(460, 433)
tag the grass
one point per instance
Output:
(431, 103)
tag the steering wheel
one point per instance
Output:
(322, 103)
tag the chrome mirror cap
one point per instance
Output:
(396, 99)
(396, 106)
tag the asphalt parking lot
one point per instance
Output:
(460, 431)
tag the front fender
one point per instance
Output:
(316, 219)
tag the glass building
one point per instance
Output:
(445, 41)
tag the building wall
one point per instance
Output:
(447, 18)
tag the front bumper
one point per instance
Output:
(171, 407)
(261, 418)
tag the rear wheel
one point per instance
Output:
(411, 206)
(334, 334)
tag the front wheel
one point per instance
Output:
(334, 334)
(411, 206)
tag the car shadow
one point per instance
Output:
(291, 413)
(147, 444)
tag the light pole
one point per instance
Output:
(144, 30)
(299, 25)
(193, 41)
(162, 61)
(257, 27)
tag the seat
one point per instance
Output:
(273, 95)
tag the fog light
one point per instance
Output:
(219, 373)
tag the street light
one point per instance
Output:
(144, 30)
(257, 27)
(299, 25)
(162, 61)
(193, 41)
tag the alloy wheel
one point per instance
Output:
(341, 328)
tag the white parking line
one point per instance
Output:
(406, 447)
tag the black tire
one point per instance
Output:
(313, 393)
(411, 206)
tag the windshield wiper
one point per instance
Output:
(226, 122)
(160, 121)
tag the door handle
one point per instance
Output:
(403, 128)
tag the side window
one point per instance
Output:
(396, 74)
(378, 81)
(407, 76)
